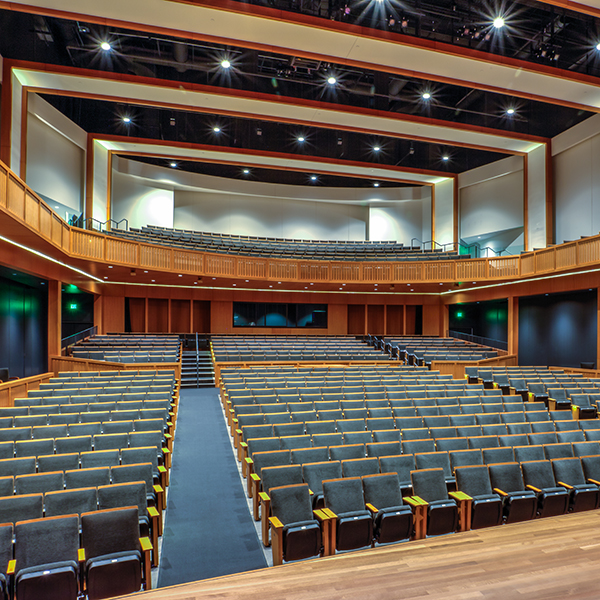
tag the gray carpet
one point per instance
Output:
(208, 529)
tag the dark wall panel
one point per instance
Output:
(485, 319)
(558, 329)
(23, 328)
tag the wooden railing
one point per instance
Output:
(69, 363)
(18, 388)
(20, 203)
(456, 368)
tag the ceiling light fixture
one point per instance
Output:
(376, 184)
(126, 119)
(331, 80)
(313, 177)
(498, 22)
(445, 158)
(510, 111)
(246, 171)
(216, 129)
(376, 148)
(226, 64)
(174, 164)
(426, 95)
(301, 138)
(105, 46)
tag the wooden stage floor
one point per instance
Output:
(547, 558)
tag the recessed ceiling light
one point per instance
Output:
(110, 266)
(376, 184)
(341, 289)
(313, 177)
(214, 278)
(105, 46)
(426, 95)
(510, 111)
(126, 119)
(225, 63)
(376, 148)
(331, 80)
(498, 22)
(180, 275)
(216, 129)
(279, 282)
(301, 138)
(312, 284)
(195, 283)
(246, 171)
(445, 157)
(234, 284)
(270, 286)
(105, 277)
(247, 281)
(174, 164)
(598, 46)
(154, 280)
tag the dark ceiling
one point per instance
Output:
(529, 25)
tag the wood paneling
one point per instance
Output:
(180, 316)
(54, 317)
(137, 314)
(201, 316)
(68, 363)
(395, 319)
(432, 320)
(158, 315)
(111, 318)
(457, 368)
(337, 319)
(356, 319)
(375, 319)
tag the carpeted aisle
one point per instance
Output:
(208, 529)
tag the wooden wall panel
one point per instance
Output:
(411, 317)
(395, 319)
(356, 319)
(337, 319)
(54, 317)
(180, 316)
(158, 315)
(201, 316)
(137, 314)
(221, 317)
(112, 314)
(375, 319)
(432, 320)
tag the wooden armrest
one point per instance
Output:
(460, 496)
(594, 481)
(154, 517)
(534, 489)
(264, 497)
(148, 552)
(328, 512)
(12, 567)
(310, 492)
(243, 444)
(81, 555)
(254, 477)
(152, 512)
(249, 461)
(566, 485)
(157, 489)
(276, 540)
(320, 515)
(500, 492)
(371, 508)
(415, 501)
(275, 523)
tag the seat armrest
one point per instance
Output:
(565, 485)
(265, 513)
(163, 473)
(276, 540)
(147, 551)
(415, 501)
(12, 567)
(154, 528)
(327, 525)
(459, 496)
(254, 485)
(534, 489)
(594, 481)
(371, 508)
(500, 492)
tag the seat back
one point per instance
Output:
(474, 480)
(281, 476)
(66, 502)
(507, 477)
(21, 508)
(568, 470)
(291, 503)
(344, 495)
(429, 484)
(314, 474)
(382, 490)
(538, 473)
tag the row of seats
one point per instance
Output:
(126, 356)
(99, 555)
(366, 250)
(486, 495)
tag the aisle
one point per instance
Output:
(208, 529)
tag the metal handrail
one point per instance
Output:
(76, 337)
